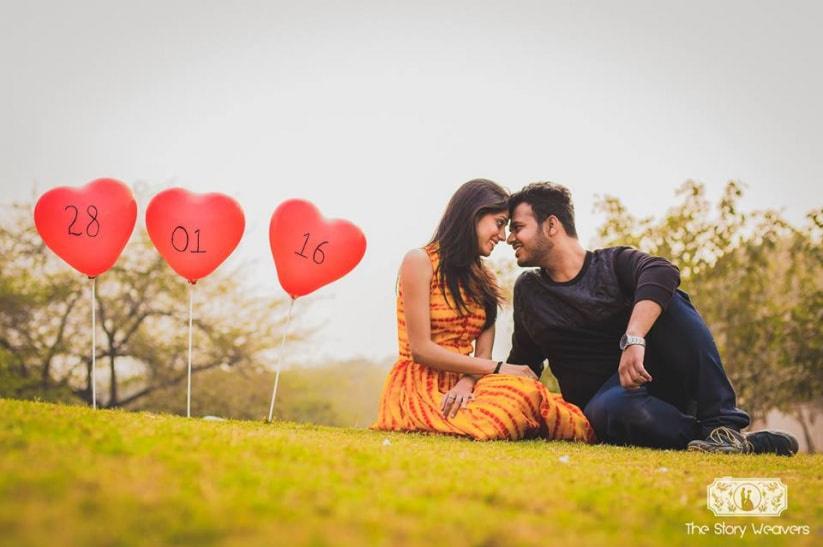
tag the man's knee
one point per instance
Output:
(633, 417)
(613, 412)
(680, 325)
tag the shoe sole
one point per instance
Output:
(711, 448)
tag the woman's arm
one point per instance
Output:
(482, 349)
(415, 279)
(484, 344)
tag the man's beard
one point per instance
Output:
(542, 247)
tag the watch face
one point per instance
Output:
(627, 341)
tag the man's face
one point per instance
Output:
(527, 238)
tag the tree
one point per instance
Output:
(142, 306)
(756, 279)
(38, 303)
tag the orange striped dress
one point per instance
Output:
(505, 407)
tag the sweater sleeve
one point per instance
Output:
(524, 350)
(646, 277)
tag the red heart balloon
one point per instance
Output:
(195, 233)
(310, 251)
(88, 227)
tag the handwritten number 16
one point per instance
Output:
(318, 256)
(92, 228)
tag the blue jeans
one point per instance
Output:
(689, 395)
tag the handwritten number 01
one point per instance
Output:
(92, 228)
(318, 256)
(185, 247)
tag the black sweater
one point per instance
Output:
(577, 324)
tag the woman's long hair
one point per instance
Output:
(456, 235)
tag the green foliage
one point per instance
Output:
(109, 477)
(756, 279)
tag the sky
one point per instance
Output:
(378, 111)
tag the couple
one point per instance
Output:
(627, 347)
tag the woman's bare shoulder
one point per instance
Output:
(416, 262)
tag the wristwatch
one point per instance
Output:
(628, 340)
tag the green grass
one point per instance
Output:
(73, 476)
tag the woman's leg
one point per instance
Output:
(508, 407)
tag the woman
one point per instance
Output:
(447, 302)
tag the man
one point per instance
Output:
(625, 344)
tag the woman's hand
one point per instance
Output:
(458, 396)
(518, 370)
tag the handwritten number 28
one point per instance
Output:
(318, 256)
(93, 226)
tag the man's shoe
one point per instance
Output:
(724, 440)
(772, 442)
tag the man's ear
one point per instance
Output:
(548, 225)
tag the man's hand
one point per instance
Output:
(518, 370)
(631, 370)
(458, 396)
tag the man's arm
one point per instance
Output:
(652, 281)
(631, 370)
(524, 350)
(646, 277)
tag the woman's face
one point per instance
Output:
(491, 229)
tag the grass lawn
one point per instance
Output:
(73, 476)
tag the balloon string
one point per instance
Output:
(191, 311)
(93, 345)
(277, 360)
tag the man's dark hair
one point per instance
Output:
(546, 199)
